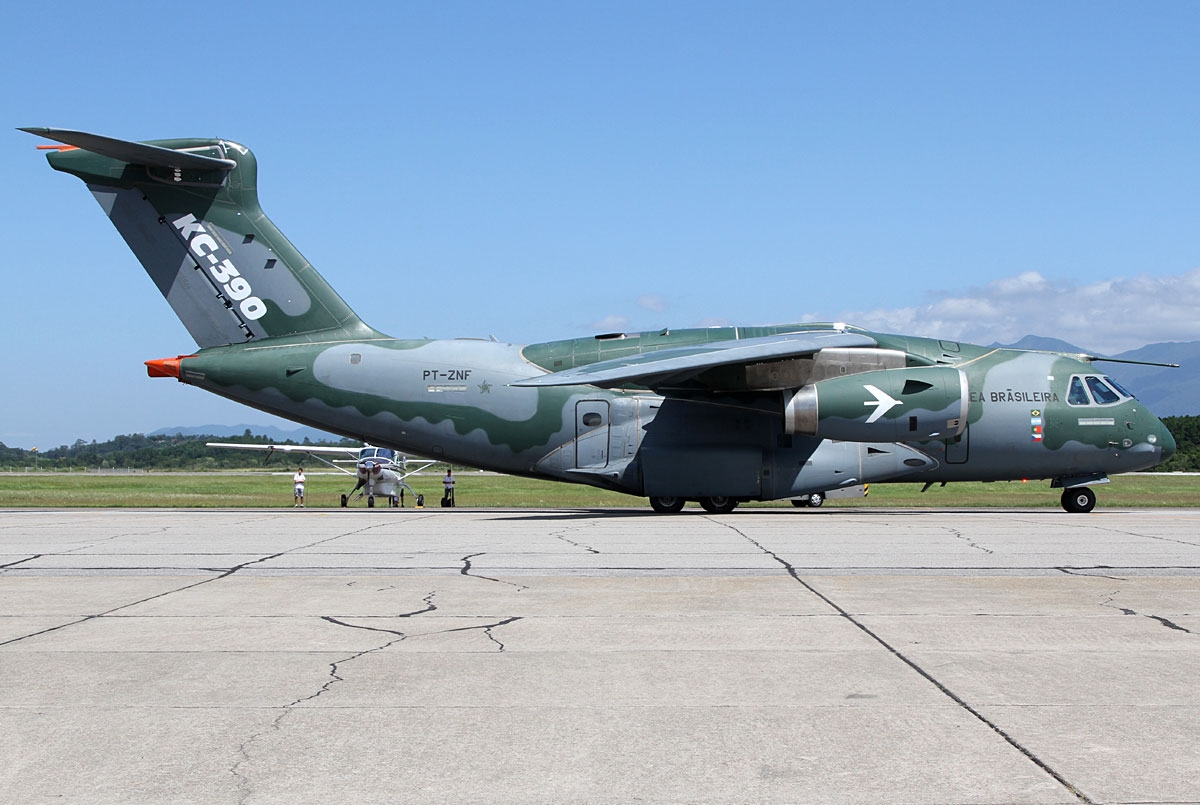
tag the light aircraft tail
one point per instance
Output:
(189, 210)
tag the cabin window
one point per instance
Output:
(592, 419)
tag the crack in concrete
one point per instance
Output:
(791, 571)
(961, 536)
(22, 561)
(1091, 526)
(1110, 603)
(487, 630)
(561, 535)
(244, 784)
(1071, 571)
(1170, 624)
(221, 575)
(465, 570)
(82, 547)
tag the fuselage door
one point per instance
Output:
(591, 434)
(958, 447)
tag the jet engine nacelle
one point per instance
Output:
(888, 405)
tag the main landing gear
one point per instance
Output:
(392, 501)
(667, 505)
(719, 504)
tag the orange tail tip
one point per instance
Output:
(165, 367)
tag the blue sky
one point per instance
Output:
(549, 170)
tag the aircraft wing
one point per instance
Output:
(678, 364)
(344, 452)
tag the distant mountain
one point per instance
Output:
(1043, 343)
(275, 434)
(1165, 391)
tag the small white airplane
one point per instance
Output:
(380, 471)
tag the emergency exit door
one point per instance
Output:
(591, 434)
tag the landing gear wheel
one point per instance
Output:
(667, 505)
(394, 502)
(1078, 500)
(719, 504)
(815, 500)
(345, 500)
(370, 501)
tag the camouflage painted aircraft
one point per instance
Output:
(718, 415)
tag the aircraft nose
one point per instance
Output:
(1166, 442)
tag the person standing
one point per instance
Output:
(448, 484)
(298, 488)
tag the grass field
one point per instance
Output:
(218, 490)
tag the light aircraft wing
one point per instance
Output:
(344, 452)
(678, 364)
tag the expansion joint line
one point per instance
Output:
(954, 697)
(223, 574)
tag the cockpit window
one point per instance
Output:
(1100, 390)
(1104, 391)
(376, 452)
(1124, 391)
(1076, 395)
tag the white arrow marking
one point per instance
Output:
(882, 402)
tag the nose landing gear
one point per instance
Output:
(1078, 500)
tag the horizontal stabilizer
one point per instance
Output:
(188, 209)
(133, 153)
(674, 363)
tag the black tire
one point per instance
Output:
(394, 502)
(1078, 500)
(345, 501)
(370, 501)
(667, 505)
(815, 500)
(719, 504)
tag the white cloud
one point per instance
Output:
(1107, 316)
(612, 323)
(652, 302)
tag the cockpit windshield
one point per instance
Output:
(1124, 391)
(377, 452)
(1095, 390)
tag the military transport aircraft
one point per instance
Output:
(380, 471)
(718, 415)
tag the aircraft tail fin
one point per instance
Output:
(189, 211)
